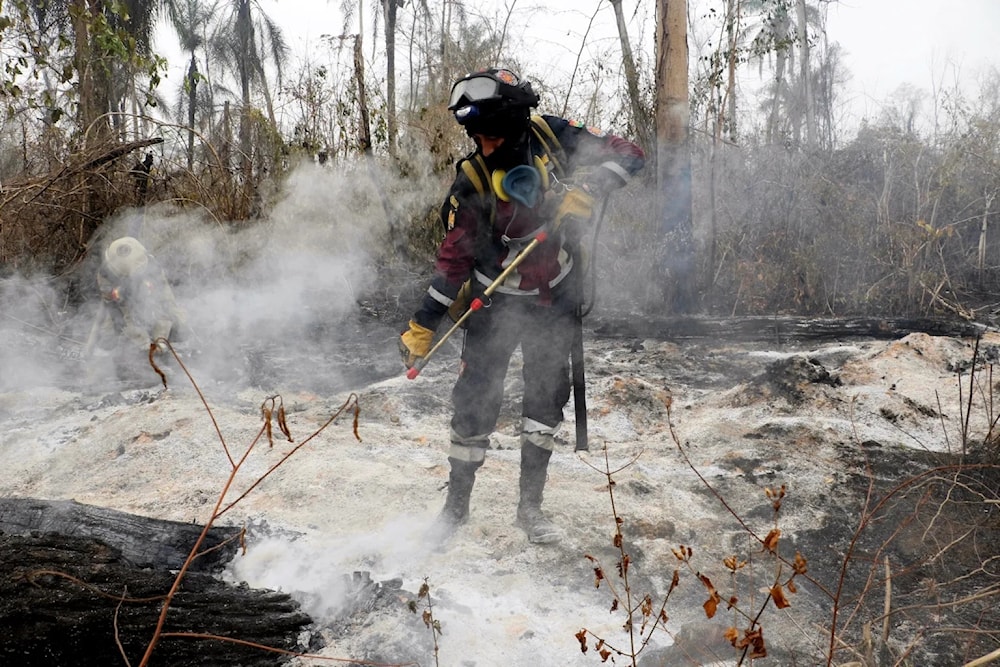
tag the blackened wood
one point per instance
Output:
(142, 541)
(51, 620)
(780, 329)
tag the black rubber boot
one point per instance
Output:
(534, 468)
(456, 506)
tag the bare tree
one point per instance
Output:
(640, 114)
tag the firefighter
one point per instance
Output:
(137, 305)
(527, 174)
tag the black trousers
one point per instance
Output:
(545, 334)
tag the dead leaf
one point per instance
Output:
(771, 541)
(778, 595)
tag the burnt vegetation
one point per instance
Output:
(889, 219)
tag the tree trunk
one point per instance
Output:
(732, 60)
(364, 125)
(246, 37)
(640, 116)
(389, 11)
(673, 158)
(192, 79)
(804, 74)
(92, 82)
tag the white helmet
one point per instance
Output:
(125, 256)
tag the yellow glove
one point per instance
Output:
(415, 343)
(576, 204)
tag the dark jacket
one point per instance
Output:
(483, 234)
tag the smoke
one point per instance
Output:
(30, 355)
(313, 568)
(254, 294)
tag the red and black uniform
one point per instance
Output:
(536, 306)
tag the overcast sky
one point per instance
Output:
(925, 43)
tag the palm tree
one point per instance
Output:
(779, 31)
(190, 19)
(244, 42)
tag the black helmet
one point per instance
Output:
(493, 102)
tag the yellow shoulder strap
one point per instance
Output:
(475, 171)
(550, 143)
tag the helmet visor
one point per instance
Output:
(470, 91)
(480, 87)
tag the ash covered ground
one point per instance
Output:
(694, 431)
(886, 461)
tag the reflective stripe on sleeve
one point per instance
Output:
(441, 298)
(617, 170)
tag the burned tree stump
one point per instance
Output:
(71, 599)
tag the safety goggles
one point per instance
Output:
(480, 87)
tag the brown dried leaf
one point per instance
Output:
(791, 586)
(801, 564)
(682, 553)
(283, 423)
(711, 606)
(733, 563)
(732, 635)
(778, 595)
(756, 639)
(582, 638)
(598, 576)
(771, 541)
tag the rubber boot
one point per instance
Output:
(456, 506)
(534, 468)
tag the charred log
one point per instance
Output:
(144, 542)
(782, 329)
(67, 597)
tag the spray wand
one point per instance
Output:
(478, 303)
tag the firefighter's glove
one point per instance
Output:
(415, 343)
(575, 205)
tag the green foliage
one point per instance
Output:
(42, 53)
